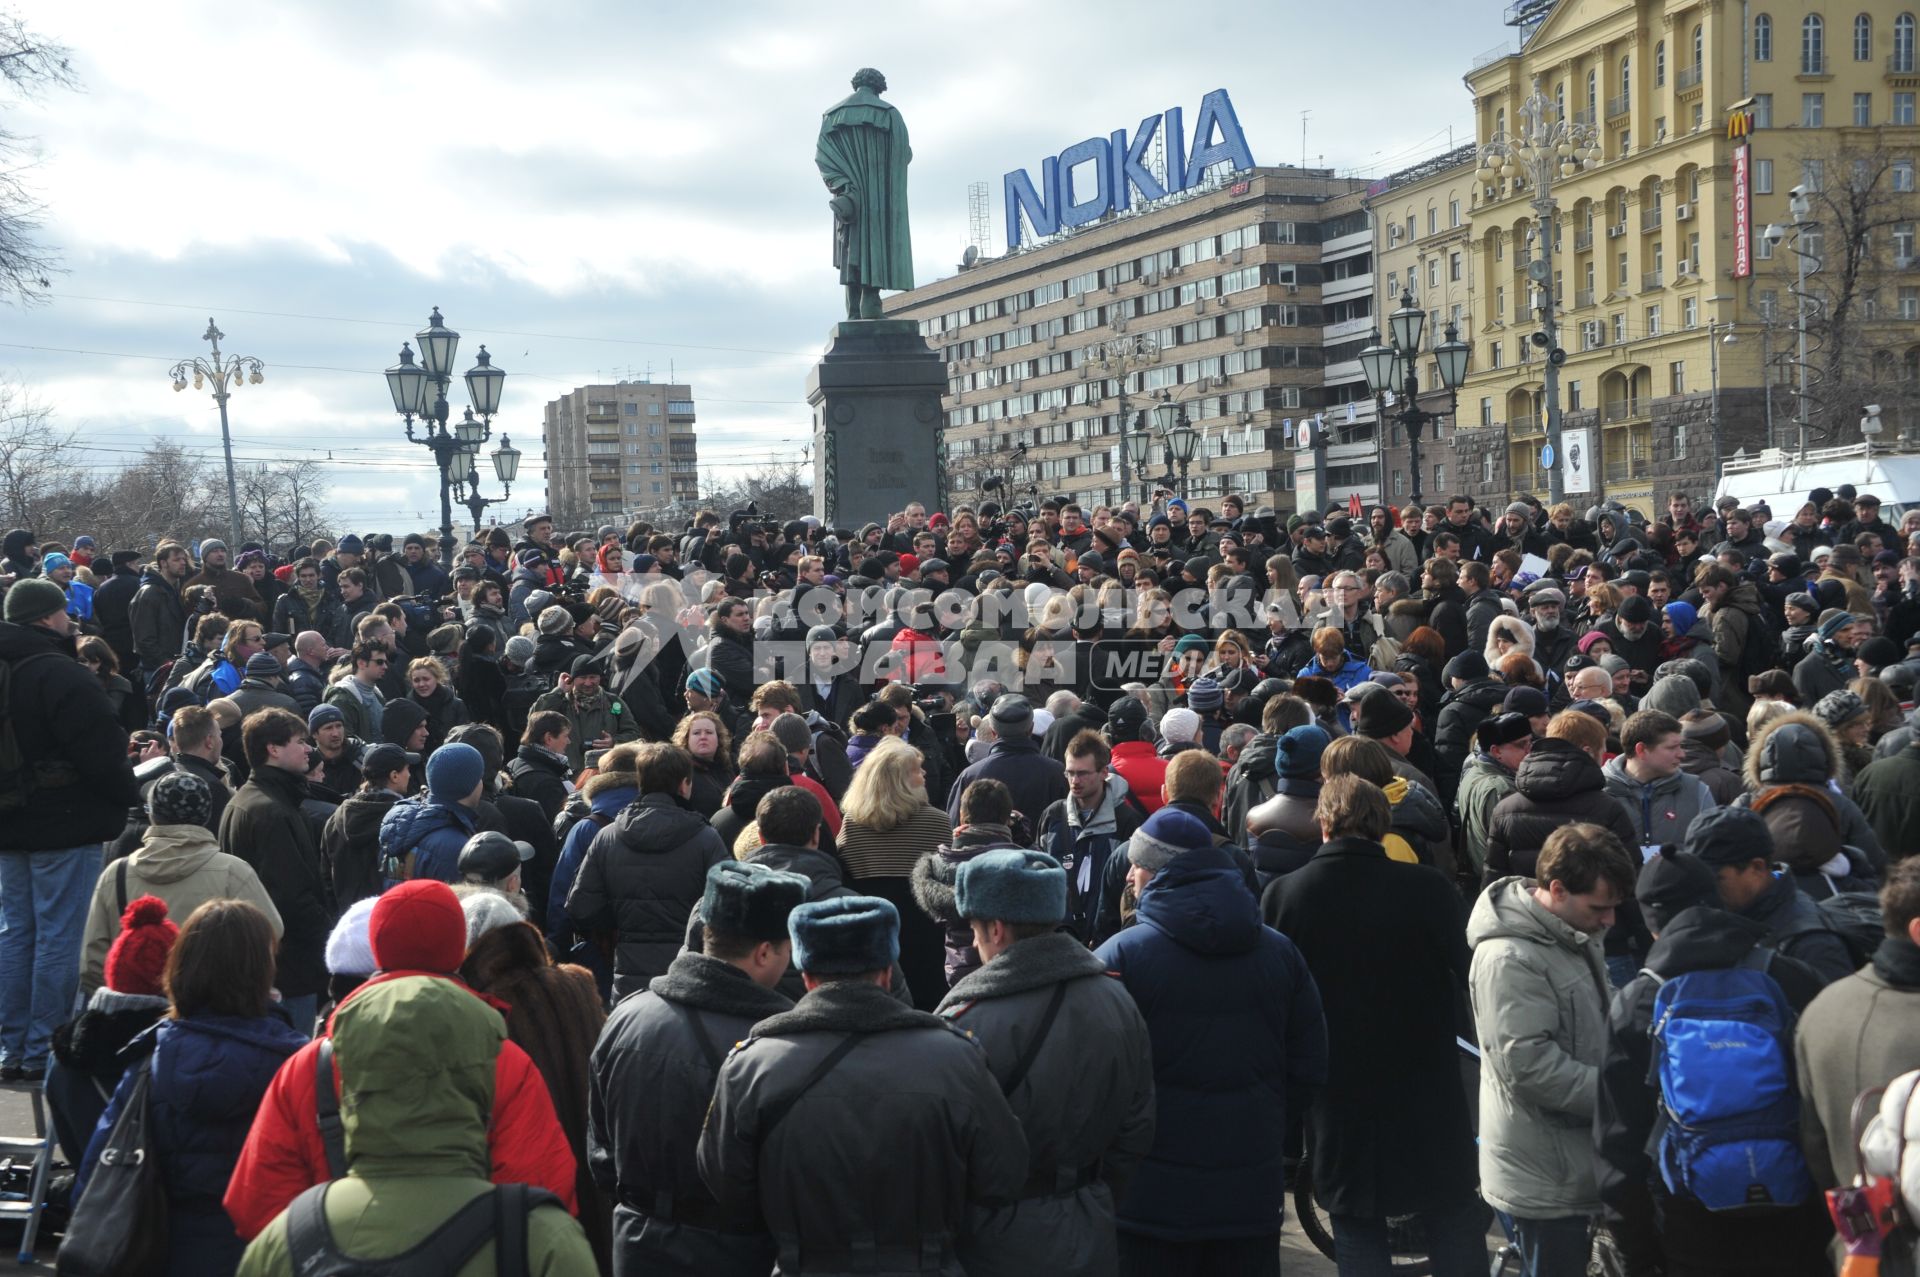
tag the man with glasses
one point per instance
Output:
(358, 698)
(1346, 612)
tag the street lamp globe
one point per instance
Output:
(404, 380)
(506, 460)
(1405, 324)
(1182, 440)
(1139, 448)
(1165, 414)
(429, 397)
(483, 384)
(470, 431)
(1377, 362)
(437, 345)
(1451, 355)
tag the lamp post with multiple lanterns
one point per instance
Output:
(1393, 367)
(226, 372)
(420, 390)
(1177, 437)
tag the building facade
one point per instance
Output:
(1642, 250)
(621, 451)
(1257, 294)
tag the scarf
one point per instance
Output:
(1897, 961)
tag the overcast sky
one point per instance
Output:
(594, 190)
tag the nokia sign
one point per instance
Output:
(1120, 169)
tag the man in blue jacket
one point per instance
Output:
(1015, 760)
(422, 837)
(1238, 1043)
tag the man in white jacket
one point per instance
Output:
(1540, 995)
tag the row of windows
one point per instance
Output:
(1204, 408)
(1250, 320)
(1813, 41)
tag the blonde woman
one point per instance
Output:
(887, 824)
(433, 692)
(708, 742)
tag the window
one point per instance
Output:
(1620, 272)
(629, 409)
(1677, 377)
(1653, 321)
(1453, 213)
(1660, 64)
(1903, 43)
(1433, 272)
(1769, 303)
(1498, 354)
(1813, 173)
(1813, 45)
(1862, 110)
(1439, 477)
(1902, 175)
(1573, 396)
(1762, 38)
(1903, 240)
(1699, 46)
(1679, 443)
(1762, 246)
(1910, 303)
(1903, 108)
(1813, 110)
(1393, 283)
(1433, 221)
(1863, 38)
(1763, 177)
(653, 410)
(1626, 76)
(653, 427)
(1619, 327)
(1399, 483)
(1486, 413)
(1690, 312)
(1500, 302)
(1593, 94)
(1453, 267)
(1763, 110)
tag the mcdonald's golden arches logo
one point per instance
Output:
(1739, 125)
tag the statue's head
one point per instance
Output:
(868, 78)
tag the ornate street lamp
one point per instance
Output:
(227, 373)
(419, 390)
(1394, 368)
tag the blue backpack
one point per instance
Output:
(1729, 1134)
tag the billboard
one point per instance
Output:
(1739, 129)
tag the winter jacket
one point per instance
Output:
(1860, 1032)
(1145, 772)
(1390, 1134)
(1283, 833)
(358, 707)
(445, 711)
(606, 796)
(640, 877)
(1034, 779)
(1461, 710)
(1790, 768)
(1447, 614)
(1239, 1046)
(1540, 994)
(602, 715)
(1796, 928)
(554, 1014)
(182, 865)
(209, 1072)
(1825, 668)
(158, 618)
(350, 843)
(933, 890)
(730, 656)
(1481, 610)
(541, 775)
(421, 837)
(233, 593)
(112, 604)
(292, 615)
(1556, 784)
(423, 1131)
(1350, 674)
(265, 826)
(1483, 783)
(1086, 1105)
(1648, 1222)
(1082, 841)
(1661, 809)
(651, 1082)
(888, 1150)
(1887, 791)
(1703, 762)
(1250, 782)
(67, 730)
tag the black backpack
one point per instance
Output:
(119, 1226)
(19, 775)
(499, 1216)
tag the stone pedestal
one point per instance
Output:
(877, 423)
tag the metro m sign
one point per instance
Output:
(1742, 211)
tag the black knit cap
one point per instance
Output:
(179, 798)
(1380, 715)
(1674, 881)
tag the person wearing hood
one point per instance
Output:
(1661, 798)
(1390, 1134)
(1828, 665)
(1081, 830)
(1617, 543)
(350, 841)
(1239, 1047)
(178, 861)
(1635, 638)
(1827, 843)
(985, 812)
(652, 1076)
(1706, 738)
(1655, 1228)
(1739, 847)
(19, 554)
(421, 837)
(418, 1060)
(643, 873)
(112, 604)
(1501, 744)
(1283, 831)
(1540, 992)
(208, 1063)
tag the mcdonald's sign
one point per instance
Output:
(1739, 125)
(1742, 211)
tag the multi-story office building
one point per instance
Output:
(1257, 292)
(1643, 250)
(621, 451)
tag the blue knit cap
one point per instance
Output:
(1297, 755)
(452, 772)
(705, 682)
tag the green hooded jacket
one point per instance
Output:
(416, 1060)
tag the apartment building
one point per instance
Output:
(621, 451)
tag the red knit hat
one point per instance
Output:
(137, 962)
(419, 926)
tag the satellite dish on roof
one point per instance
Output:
(971, 256)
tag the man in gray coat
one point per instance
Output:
(1650, 780)
(1070, 1051)
(1861, 1032)
(653, 1073)
(1540, 996)
(860, 1130)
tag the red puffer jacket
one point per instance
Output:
(283, 1155)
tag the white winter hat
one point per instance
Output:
(349, 952)
(1180, 724)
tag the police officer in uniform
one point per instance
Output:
(652, 1077)
(1070, 1052)
(861, 1130)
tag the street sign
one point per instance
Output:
(1578, 465)
(1546, 456)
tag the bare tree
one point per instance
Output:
(1861, 239)
(279, 503)
(35, 461)
(30, 65)
(779, 492)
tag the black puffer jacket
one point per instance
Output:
(66, 729)
(350, 844)
(1557, 784)
(641, 876)
(1462, 710)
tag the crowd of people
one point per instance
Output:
(996, 890)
